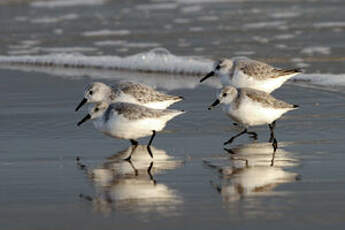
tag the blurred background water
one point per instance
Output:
(307, 33)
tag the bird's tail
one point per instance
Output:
(178, 98)
(174, 113)
(292, 71)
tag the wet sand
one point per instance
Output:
(42, 183)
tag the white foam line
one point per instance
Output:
(156, 60)
(329, 80)
(66, 3)
(105, 33)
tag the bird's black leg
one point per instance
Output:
(134, 146)
(233, 138)
(151, 139)
(273, 156)
(133, 142)
(272, 137)
(149, 151)
(150, 142)
(275, 144)
(272, 126)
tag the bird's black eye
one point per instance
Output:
(96, 110)
(217, 67)
(90, 92)
(224, 94)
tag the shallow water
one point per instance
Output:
(304, 33)
(194, 182)
(40, 142)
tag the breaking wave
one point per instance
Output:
(158, 60)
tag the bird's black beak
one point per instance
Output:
(81, 104)
(210, 74)
(86, 118)
(215, 103)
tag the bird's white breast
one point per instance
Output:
(251, 113)
(120, 127)
(241, 80)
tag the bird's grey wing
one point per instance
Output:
(136, 112)
(265, 99)
(261, 70)
(145, 94)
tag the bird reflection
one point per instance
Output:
(262, 154)
(255, 169)
(129, 185)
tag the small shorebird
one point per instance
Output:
(130, 92)
(250, 107)
(129, 121)
(243, 72)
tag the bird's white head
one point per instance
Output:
(98, 109)
(220, 68)
(95, 112)
(97, 92)
(94, 93)
(226, 96)
(223, 66)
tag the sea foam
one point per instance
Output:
(66, 3)
(155, 60)
(158, 60)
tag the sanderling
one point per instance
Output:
(243, 72)
(250, 107)
(129, 121)
(130, 92)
